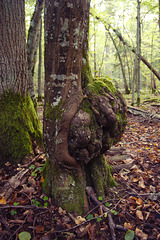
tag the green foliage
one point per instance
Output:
(24, 236)
(129, 235)
(16, 203)
(13, 212)
(99, 219)
(114, 212)
(107, 204)
(19, 127)
(100, 198)
(89, 216)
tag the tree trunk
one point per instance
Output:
(32, 44)
(122, 67)
(80, 122)
(95, 59)
(138, 52)
(19, 123)
(40, 65)
(119, 35)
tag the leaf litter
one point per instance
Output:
(134, 203)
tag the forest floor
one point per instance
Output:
(26, 213)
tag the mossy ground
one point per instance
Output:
(19, 127)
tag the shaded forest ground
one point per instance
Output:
(134, 202)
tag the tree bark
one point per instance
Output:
(82, 117)
(138, 51)
(40, 65)
(19, 126)
(32, 44)
(13, 68)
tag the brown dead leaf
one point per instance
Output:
(141, 234)
(61, 211)
(139, 201)
(139, 214)
(42, 179)
(3, 200)
(147, 215)
(32, 181)
(141, 183)
(84, 230)
(91, 232)
(28, 190)
(39, 228)
(79, 220)
(129, 226)
(158, 236)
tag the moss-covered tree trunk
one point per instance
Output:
(19, 125)
(83, 117)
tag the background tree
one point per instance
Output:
(32, 44)
(82, 117)
(19, 123)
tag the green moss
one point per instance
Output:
(53, 113)
(86, 73)
(19, 127)
(99, 85)
(66, 187)
(101, 175)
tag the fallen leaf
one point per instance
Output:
(39, 228)
(139, 201)
(139, 214)
(141, 183)
(129, 226)
(61, 211)
(141, 234)
(3, 200)
(79, 220)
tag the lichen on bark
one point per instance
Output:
(19, 127)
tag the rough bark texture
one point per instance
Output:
(40, 65)
(80, 122)
(19, 125)
(65, 26)
(13, 71)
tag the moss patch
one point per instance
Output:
(101, 176)
(19, 127)
(99, 85)
(66, 187)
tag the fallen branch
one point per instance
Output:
(92, 196)
(13, 183)
(143, 113)
(18, 179)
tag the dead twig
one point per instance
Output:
(92, 195)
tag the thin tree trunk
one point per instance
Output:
(95, 59)
(122, 67)
(130, 47)
(134, 79)
(103, 57)
(138, 51)
(32, 44)
(40, 65)
(159, 31)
